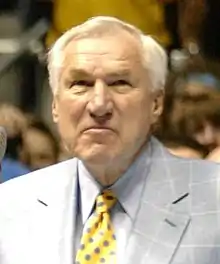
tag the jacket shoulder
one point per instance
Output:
(198, 170)
(25, 185)
(204, 171)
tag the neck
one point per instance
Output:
(107, 175)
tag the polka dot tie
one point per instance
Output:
(98, 242)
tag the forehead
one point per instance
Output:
(111, 53)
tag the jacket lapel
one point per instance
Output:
(163, 214)
(54, 216)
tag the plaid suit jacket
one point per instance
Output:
(178, 221)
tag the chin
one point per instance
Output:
(97, 154)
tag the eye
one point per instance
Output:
(80, 87)
(120, 83)
(81, 83)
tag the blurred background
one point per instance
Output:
(189, 30)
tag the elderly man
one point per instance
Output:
(124, 198)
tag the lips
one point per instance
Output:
(98, 129)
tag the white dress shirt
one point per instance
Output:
(128, 190)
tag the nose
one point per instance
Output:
(100, 105)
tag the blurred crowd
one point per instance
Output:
(190, 123)
(31, 145)
(189, 31)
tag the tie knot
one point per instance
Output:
(105, 201)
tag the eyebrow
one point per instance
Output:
(81, 73)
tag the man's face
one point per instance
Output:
(105, 105)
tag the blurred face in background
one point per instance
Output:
(209, 136)
(38, 151)
(197, 116)
(105, 105)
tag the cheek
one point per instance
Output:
(136, 117)
(70, 113)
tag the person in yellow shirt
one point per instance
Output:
(148, 15)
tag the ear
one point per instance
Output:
(157, 106)
(55, 109)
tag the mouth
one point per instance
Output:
(98, 129)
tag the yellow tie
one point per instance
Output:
(98, 242)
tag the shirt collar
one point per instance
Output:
(128, 188)
(89, 189)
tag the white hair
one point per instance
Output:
(154, 56)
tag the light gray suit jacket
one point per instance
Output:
(178, 221)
